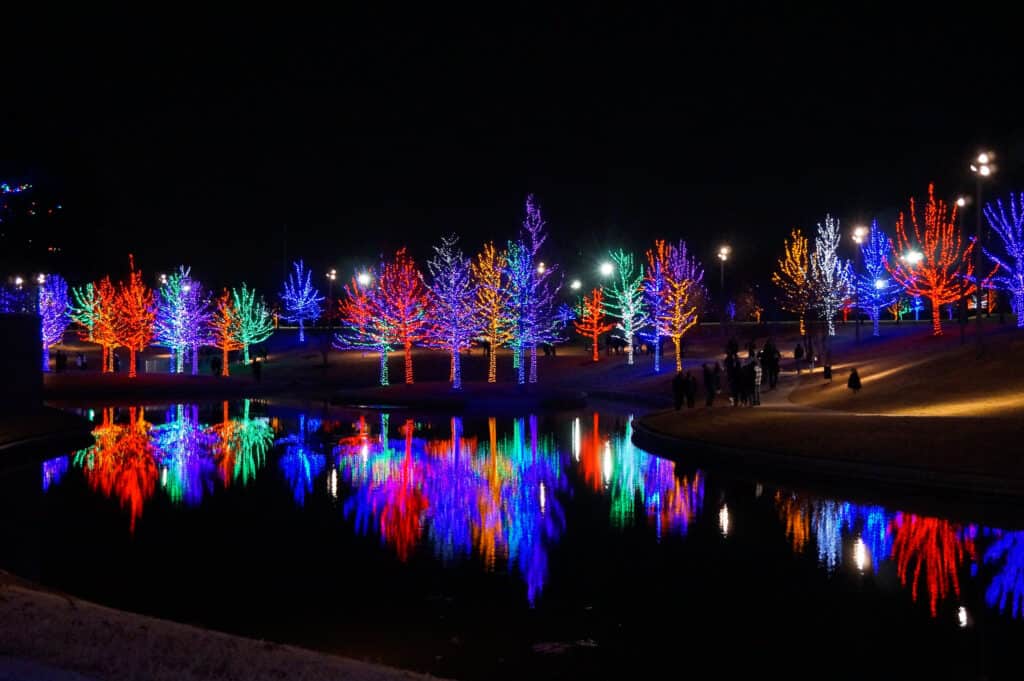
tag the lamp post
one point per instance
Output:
(961, 202)
(606, 269)
(723, 255)
(982, 168)
(859, 234)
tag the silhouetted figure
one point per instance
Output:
(854, 382)
(691, 390)
(826, 372)
(257, 370)
(798, 356)
(117, 363)
(678, 390)
(709, 386)
(758, 377)
(732, 348)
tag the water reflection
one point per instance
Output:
(497, 491)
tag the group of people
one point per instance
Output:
(61, 361)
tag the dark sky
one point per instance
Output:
(196, 139)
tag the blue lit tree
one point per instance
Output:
(182, 318)
(876, 289)
(626, 298)
(1010, 228)
(452, 312)
(1006, 591)
(54, 313)
(302, 302)
(533, 290)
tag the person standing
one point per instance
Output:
(691, 390)
(854, 382)
(758, 375)
(798, 356)
(678, 390)
(709, 386)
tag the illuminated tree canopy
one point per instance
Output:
(876, 290)
(792, 278)
(302, 302)
(1010, 261)
(592, 322)
(492, 300)
(626, 298)
(453, 315)
(54, 313)
(255, 324)
(831, 276)
(134, 313)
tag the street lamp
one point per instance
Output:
(913, 257)
(606, 269)
(541, 267)
(860, 232)
(982, 168)
(576, 284)
(41, 279)
(18, 281)
(363, 278)
(723, 255)
(163, 279)
(961, 202)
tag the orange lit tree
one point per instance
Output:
(224, 326)
(683, 276)
(134, 312)
(933, 262)
(403, 299)
(592, 320)
(492, 299)
(93, 311)
(793, 280)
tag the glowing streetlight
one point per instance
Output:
(186, 288)
(364, 278)
(913, 258)
(723, 253)
(607, 269)
(163, 278)
(541, 267)
(576, 284)
(879, 284)
(961, 201)
(859, 233)
(41, 279)
(332, 274)
(982, 168)
(18, 281)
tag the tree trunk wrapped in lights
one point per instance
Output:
(1010, 229)
(53, 313)
(93, 311)
(793, 278)
(254, 321)
(492, 300)
(403, 304)
(679, 313)
(302, 302)
(453, 317)
(592, 319)
(831, 276)
(626, 298)
(933, 262)
(134, 312)
(656, 295)
(224, 329)
(182, 318)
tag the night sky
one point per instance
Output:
(201, 139)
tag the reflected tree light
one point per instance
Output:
(53, 470)
(184, 449)
(121, 463)
(827, 520)
(301, 467)
(241, 445)
(795, 515)
(933, 547)
(1006, 590)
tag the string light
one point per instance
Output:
(224, 328)
(302, 302)
(626, 299)
(492, 300)
(54, 313)
(1010, 262)
(831, 277)
(182, 318)
(134, 313)
(592, 319)
(254, 322)
(876, 290)
(792, 278)
(454, 319)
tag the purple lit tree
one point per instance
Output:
(182, 318)
(533, 291)
(301, 300)
(54, 313)
(452, 312)
(875, 288)
(1010, 228)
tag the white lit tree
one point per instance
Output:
(626, 298)
(831, 276)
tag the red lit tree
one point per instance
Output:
(931, 549)
(224, 328)
(592, 320)
(93, 311)
(403, 307)
(134, 312)
(932, 262)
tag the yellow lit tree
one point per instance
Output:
(792, 280)
(492, 297)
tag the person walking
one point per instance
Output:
(854, 382)
(798, 356)
(678, 390)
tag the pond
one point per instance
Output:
(513, 546)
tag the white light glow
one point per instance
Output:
(723, 521)
(607, 269)
(961, 617)
(860, 555)
(576, 284)
(364, 278)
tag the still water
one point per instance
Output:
(515, 546)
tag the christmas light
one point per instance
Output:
(224, 329)
(1006, 590)
(931, 548)
(182, 318)
(830, 276)
(254, 321)
(302, 302)
(492, 300)
(875, 289)
(943, 271)
(679, 313)
(134, 313)
(54, 313)
(626, 299)
(793, 278)
(1010, 262)
(403, 303)
(454, 319)
(364, 326)
(591, 323)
